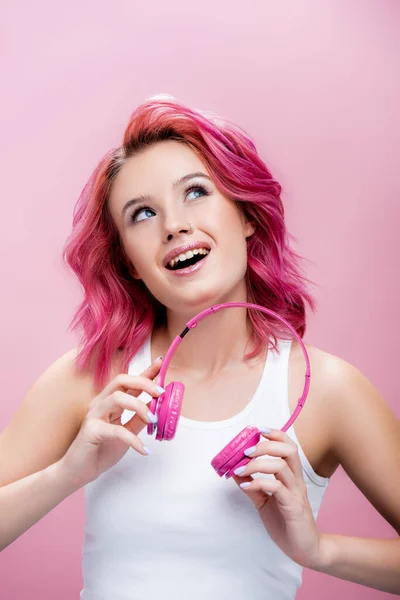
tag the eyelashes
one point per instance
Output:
(144, 208)
(139, 209)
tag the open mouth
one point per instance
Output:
(188, 259)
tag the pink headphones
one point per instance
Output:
(167, 407)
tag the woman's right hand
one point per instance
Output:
(102, 440)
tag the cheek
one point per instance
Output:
(140, 254)
(222, 224)
(239, 256)
(233, 263)
(232, 236)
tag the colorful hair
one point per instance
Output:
(118, 313)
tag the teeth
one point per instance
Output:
(187, 255)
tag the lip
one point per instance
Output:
(189, 270)
(182, 249)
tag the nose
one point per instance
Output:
(176, 225)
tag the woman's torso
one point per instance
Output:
(171, 513)
(312, 427)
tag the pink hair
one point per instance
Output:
(118, 313)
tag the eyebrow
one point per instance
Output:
(175, 184)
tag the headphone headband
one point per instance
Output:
(217, 307)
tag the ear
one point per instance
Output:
(123, 256)
(248, 226)
(133, 272)
(249, 229)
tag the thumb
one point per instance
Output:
(152, 370)
(258, 498)
(136, 424)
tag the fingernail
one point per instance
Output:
(152, 417)
(250, 451)
(147, 450)
(158, 358)
(245, 484)
(160, 389)
(264, 430)
(239, 470)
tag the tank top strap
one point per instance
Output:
(139, 362)
(273, 409)
(272, 406)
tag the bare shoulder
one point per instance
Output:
(313, 427)
(345, 418)
(364, 433)
(331, 376)
(48, 418)
(326, 371)
(80, 384)
(75, 388)
(342, 386)
(357, 409)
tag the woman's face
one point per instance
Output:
(174, 214)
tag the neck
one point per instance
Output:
(218, 343)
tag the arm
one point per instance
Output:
(366, 441)
(371, 562)
(32, 481)
(26, 501)
(363, 434)
(81, 438)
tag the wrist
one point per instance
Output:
(70, 482)
(326, 553)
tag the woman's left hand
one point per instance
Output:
(282, 501)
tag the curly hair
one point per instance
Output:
(118, 312)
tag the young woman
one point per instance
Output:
(188, 188)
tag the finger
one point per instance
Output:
(120, 401)
(135, 424)
(282, 450)
(268, 486)
(129, 383)
(289, 452)
(258, 498)
(153, 369)
(277, 467)
(101, 431)
(276, 435)
(136, 385)
(287, 449)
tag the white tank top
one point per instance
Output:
(166, 526)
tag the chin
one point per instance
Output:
(198, 300)
(192, 306)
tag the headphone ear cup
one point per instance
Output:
(232, 455)
(170, 410)
(151, 427)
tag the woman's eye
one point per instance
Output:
(197, 188)
(141, 214)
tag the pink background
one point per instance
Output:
(314, 82)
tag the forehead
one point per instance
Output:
(153, 169)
